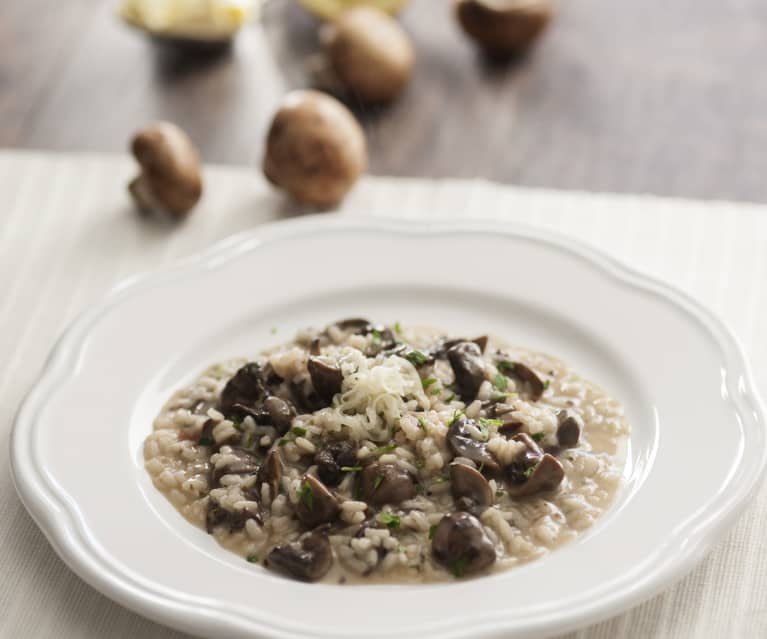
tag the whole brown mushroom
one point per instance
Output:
(170, 178)
(504, 28)
(370, 53)
(315, 149)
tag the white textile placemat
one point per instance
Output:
(68, 233)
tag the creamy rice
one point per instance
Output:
(364, 427)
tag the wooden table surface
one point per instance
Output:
(653, 96)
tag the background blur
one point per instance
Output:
(651, 96)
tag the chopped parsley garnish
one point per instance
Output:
(506, 367)
(422, 423)
(397, 328)
(389, 520)
(435, 391)
(237, 425)
(499, 397)
(501, 382)
(419, 463)
(529, 472)
(283, 440)
(456, 416)
(377, 481)
(306, 495)
(416, 358)
(458, 567)
(546, 384)
(206, 441)
(376, 336)
(351, 469)
(538, 437)
(384, 449)
(299, 430)
(429, 381)
(432, 530)
(487, 423)
(252, 559)
(451, 398)
(500, 492)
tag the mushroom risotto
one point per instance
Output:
(362, 452)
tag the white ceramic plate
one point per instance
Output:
(697, 446)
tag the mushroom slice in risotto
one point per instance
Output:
(307, 559)
(461, 544)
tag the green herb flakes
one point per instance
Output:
(306, 495)
(458, 567)
(546, 384)
(206, 441)
(252, 559)
(499, 397)
(416, 358)
(389, 520)
(529, 472)
(500, 492)
(538, 437)
(376, 336)
(377, 481)
(451, 398)
(487, 423)
(397, 328)
(456, 416)
(381, 450)
(422, 423)
(299, 430)
(506, 367)
(429, 381)
(501, 382)
(351, 469)
(432, 530)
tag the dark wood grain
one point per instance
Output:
(662, 97)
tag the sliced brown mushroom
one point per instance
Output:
(235, 520)
(470, 489)
(503, 412)
(307, 559)
(532, 471)
(281, 413)
(316, 504)
(469, 368)
(332, 459)
(236, 462)
(386, 484)
(326, 378)
(464, 445)
(269, 473)
(525, 374)
(569, 428)
(245, 388)
(461, 544)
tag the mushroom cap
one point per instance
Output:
(504, 27)
(326, 378)
(386, 484)
(308, 559)
(316, 504)
(569, 428)
(464, 445)
(461, 544)
(466, 361)
(315, 148)
(469, 487)
(370, 53)
(170, 177)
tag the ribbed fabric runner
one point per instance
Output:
(68, 233)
